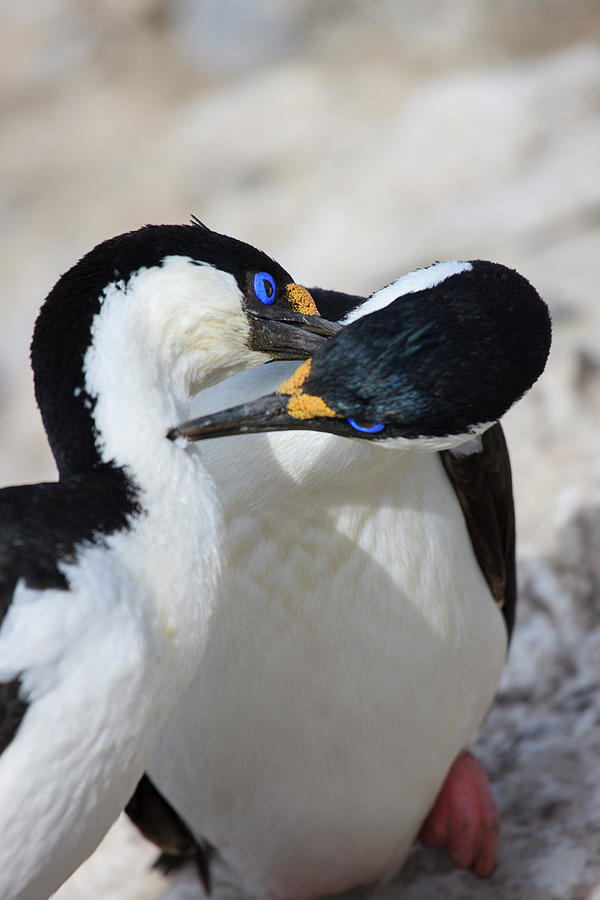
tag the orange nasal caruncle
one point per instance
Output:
(301, 300)
(301, 405)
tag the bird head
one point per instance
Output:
(171, 308)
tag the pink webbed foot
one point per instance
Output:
(463, 820)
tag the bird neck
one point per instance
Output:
(134, 388)
(114, 369)
(136, 382)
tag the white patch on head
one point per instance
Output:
(470, 440)
(419, 280)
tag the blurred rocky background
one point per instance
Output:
(353, 141)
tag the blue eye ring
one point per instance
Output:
(367, 429)
(265, 288)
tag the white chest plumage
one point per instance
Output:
(354, 651)
(100, 665)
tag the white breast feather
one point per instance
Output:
(354, 651)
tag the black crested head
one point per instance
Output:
(439, 361)
(63, 328)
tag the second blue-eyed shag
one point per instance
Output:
(358, 635)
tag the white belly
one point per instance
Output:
(354, 651)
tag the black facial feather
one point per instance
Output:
(334, 305)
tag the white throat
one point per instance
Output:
(147, 349)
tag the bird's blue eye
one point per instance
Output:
(368, 429)
(265, 288)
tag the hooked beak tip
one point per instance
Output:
(174, 434)
(294, 336)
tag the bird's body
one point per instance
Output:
(101, 652)
(357, 638)
(107, 577)
(354, 651)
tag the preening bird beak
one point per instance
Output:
(268, 413)
(293, 334)
(288, 408)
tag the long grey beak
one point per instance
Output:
(288, 335)
(268, 413)
(265, 414)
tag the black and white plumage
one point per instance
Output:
(358, 632)
(107, 577)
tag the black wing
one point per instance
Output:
(32, 561)
(483, 485)
(12, 707)
(42, 525)
(334, 305)
(159, 823)
(12, 710)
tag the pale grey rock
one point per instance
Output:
(230, 36)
